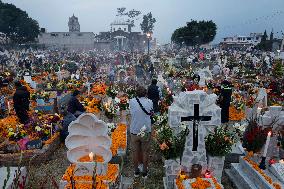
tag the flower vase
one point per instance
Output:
(172, 169)
(216, 165)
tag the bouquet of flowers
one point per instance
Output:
(110, 110)
(99, 89)
(123, 103)
(111, 91)
(130, 91)
(220, 141)
(254, 137)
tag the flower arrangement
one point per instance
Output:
(171, 146)
(99, 89)
(40, 95)
(110, 110)
(40, 127)
(254, 137)
(123, 103)
(85, 182)
(220, 141)
(111, 91)
(131, 92)
(118, 138)
(93, 105)
(200, 184)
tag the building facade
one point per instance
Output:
(241, 41)
(121, 37)
(74, 40)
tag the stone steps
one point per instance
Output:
(244, 176)
(239, 178)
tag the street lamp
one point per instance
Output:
(148, 37)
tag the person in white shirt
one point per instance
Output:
(140, 129)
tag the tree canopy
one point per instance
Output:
(147, 25)
(195, 33)
(132, 14)
(16, 24)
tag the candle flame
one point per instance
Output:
(91, 155)
(269, 133)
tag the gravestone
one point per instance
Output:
(262, 98)
(273, 118)
(199, 111)
(205, 75)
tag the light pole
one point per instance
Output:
(148, 37)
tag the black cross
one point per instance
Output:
(196, 119)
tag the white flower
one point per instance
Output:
(37, 128)
(142, 131)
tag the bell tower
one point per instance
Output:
(73, 24)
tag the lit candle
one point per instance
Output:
(9, 107)
(91, 155)
(207, 174)
(267, 144)
(281, 161)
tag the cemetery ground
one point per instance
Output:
(47, 175)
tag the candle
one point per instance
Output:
(281, 161)
(207, 174)
(91, 155)
(9, 107)
(267, 144)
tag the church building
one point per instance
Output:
(121, 37)
(72, 40)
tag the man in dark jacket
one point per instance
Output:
(21, 100)
(225, 100)
(74, 106)
(154, 94)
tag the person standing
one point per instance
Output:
(225, 100)
(154, 94)
(21, 101)
(74, 105)
(140, 129)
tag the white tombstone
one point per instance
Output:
(28, 78)
(200, 111)
(205, 75)
(274, 117)
(262, 98)
(88, 134)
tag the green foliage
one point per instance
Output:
(147, 25)
(132, 14)
(220, 142)
(254, 137)
(195, 33)
(16, 24)
(278, 70)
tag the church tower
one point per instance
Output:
(73, 24)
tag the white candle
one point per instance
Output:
(9, 107)
(267, 144)
(91, 155)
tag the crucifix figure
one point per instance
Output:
(196, 118)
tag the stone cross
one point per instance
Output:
(196, 118)
(197, 107)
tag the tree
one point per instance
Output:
(16, 24)
(147, 25)
(195, 33)
(265, 45)
(278, 70)
(132, 14)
